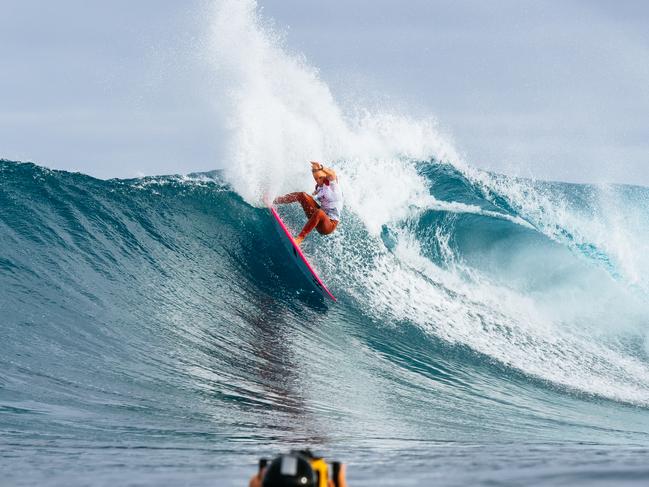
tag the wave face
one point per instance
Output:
(154, 325)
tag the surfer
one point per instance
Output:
(323, 207)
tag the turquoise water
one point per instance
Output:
(152, 333)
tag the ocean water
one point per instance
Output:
(489, 330)
(153, 333)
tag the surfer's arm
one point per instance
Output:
(331, 174)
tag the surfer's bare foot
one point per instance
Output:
(298, 240)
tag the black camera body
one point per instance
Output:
(299, 467)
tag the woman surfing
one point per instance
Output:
(323, 209)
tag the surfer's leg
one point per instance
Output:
(321, 222)
(315, 220)
(309, 205)
(326, 226)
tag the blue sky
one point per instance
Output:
(557, 90)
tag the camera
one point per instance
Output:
(299, 468)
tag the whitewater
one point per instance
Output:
(490, 330)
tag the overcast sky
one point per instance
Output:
(556, 89)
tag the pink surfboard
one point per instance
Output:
(298, 257)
